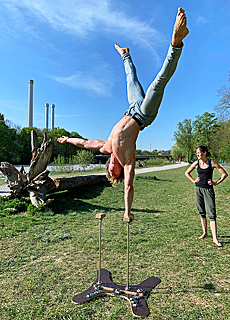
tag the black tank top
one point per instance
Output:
(204, 175)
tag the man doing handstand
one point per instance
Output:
(143, 109)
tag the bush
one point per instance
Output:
(15, 206)
(156, 162)
(61, 165)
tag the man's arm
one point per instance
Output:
(82, 143)
(129, 190)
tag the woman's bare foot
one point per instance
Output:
(204, 235)
(121, 50)
(218, 243)
(180, 29)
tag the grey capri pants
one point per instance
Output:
(205, 202)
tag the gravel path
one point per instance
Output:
(5, 190)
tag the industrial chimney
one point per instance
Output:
(52, 115)
(46, 115)
(30, 104)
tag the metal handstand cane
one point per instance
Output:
(135, 294)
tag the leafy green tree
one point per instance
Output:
(184, 138)
(221, 142)
(176, 152)
(205, 128)
(9, 148)
(224, 153)
(145, 152)
(66, 150)
(84, 158)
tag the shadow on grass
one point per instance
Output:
(206, 287)
(76, 201)
(137, 177)
(223, 241)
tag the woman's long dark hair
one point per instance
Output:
(204, 149)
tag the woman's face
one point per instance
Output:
(200, 154)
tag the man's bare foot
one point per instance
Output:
(180, 29)
(218, 243)
(129, 218)
(204, 235)
(121, 50)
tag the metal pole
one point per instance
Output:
(99, 267)
(127, 285)
(99, 216)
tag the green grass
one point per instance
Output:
(48, 257)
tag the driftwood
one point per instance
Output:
(37, 184)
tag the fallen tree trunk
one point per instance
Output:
(37, 184)
(72, 183)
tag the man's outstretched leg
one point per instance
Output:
(135, 91)
(154, 95)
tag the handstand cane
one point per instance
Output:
(128, 220)
(135, 294)
(99, 216)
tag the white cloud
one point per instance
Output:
(97, 80)
(87, 82)
(82, 18)
(201, 21)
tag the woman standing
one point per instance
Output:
(204, 193)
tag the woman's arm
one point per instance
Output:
(222, 172)
(189, 170)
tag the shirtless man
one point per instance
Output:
(143, 109)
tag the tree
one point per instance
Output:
(66, 150)
(84, 158)
(9, 147)
(205, 128)
(223, 106)
(221, 141)
(176, 152)
(184, 137)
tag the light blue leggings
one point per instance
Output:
(144, 108)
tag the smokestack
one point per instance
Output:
(52, 115)
(30, 104)
(47, 115)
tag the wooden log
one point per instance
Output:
(71, 183)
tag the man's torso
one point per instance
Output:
(122, 140)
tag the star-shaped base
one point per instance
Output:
(136, 295)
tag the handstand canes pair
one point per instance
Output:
(136, 294)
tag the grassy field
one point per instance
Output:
(48, 257)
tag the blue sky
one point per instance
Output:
(67, 48)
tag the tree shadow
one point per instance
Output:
(66, 201)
